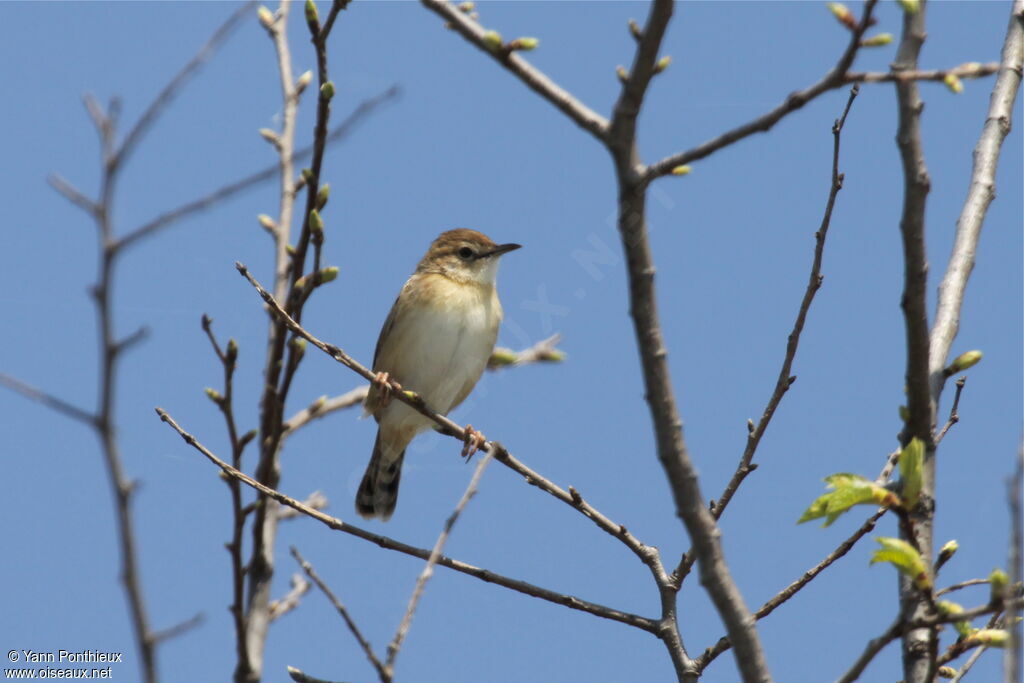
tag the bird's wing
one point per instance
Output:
(371, 404)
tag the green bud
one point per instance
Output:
(467, 7)
(946, 672)
(525, 44)
(316, 224)
(948, 550)
(501, 357)
(998, 580)
(878, 40)
(910, 6)
(304, 80)
(266, 17)
(964, 361)
(213, 395)
(904, 413)
(232, 350)
(327, 91)
(843, 14)
(662, 64)
(312, 15)
(492, 39)
(953, 82)
(681, 170)
(307, 175)
(290, 249)
(298, 345)
(621, 72)
(327, 274)
(322, 195)
(993, 637)
(267, 222)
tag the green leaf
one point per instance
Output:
(850, 490)
(911, 472)
(905, 558)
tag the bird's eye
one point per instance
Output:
(465, 253)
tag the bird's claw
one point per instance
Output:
(386, 387)
(472, 442)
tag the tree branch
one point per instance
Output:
(342, 610)
(835, 78)
(387, 543)
(533, 78)
(403, 627)
(980, 193)
(48, 400)
(785, 379)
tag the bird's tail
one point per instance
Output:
(378, 492)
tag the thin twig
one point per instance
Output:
(316, 500)
(900, 627)
(533, 78)
(403, 627)
(178, 629)
(785, 379)
(174, 86)
(299, 676)
(960, 586)
(969, 70)
(281, 607)
(835, 78)
(342, 610)
(954, 416)
(227, 191)
(387, 543)
(792, 589)
(48, 400)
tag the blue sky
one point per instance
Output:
(468, 145)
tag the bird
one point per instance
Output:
(436, 342)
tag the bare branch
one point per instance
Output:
(325, 589)
(403, 627)
(954, 416)
(178, 629)
(224, 192)
(792, 589)
(814, 280)
(1014, 658)
(533, 78)
(73, 194)
(316, 500)
(920, 646)
(174, 86)
(387, 543)
(48, 400)
(835, 78)
(899, 628)
(281, 607)
(980, 193)
(969, 70)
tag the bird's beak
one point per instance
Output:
(502, 249)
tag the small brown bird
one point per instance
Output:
(436, 342)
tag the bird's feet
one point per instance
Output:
(472, 442)
(385, 387)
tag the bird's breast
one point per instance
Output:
(443, 334)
